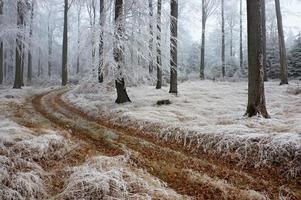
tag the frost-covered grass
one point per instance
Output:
(208, 117)
(113, 178)
(21, 175)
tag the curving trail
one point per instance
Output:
(200, 177)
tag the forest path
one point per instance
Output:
(200, 178)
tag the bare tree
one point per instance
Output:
(65, 46)
(264, 30)
(1, 47)
(208, 8)
(122, 96)
(151, 32)
(159, 58)
(282, 50)
(101, 41)
(21, 7)
(256, 95)
(240, 38)
(173, 46)
(223, 38)
(29, 69)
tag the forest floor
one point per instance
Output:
(98, 150)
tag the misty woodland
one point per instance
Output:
(150, 99)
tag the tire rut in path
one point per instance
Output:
(187, 175)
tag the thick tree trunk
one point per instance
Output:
(1, 47)
(282, 50)
(173, 47)
(223, 40)
(240, 40)
(159, 58)
(65, 46)
(29, 68)
(256, 96)
(122, 96)
(101, 41)
(19, 46)
(202, 67)
(264, 41)
(151, 40)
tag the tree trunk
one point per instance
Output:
(122, 96)
(1, 47)
(223, 40)
(39, 64)
(240, 40)
(282, 50)
(93, 33)
(231, 42)
(256, 96)
(29, 72)
(78, 40)
(173, 47)
(19, 46)
(159, 58)
(65, 46)
(202, 67)
(264, 41)
(151, 40)
(101, 42)
(49, 49)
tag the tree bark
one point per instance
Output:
(282, 50)
(202, 67)
(78, 38)
(29, 68)
(159, 58)
(240, 40)
(122, 96)
(256, 96)
(19, 46)
(65, 46)
(223, 40)
(1, 47)
(173, 47)
(49, 49)
(101, 42)
(151, 40)
(264, 41)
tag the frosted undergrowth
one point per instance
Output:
(113, 178)
(21, 175)
(208, 117)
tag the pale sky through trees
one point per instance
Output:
(291, 10)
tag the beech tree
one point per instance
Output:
(264, 50)
(256, 95)
(241, 57)
(65, 46)
(151, 32)
(173, 46)
(223, 39)
(282, 50)
(101, 41)
(122, 96)
(21, 7)
(29, 68)
(159, 58)
(208, 8)
(1, 46)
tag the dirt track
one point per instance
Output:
(200, 177)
